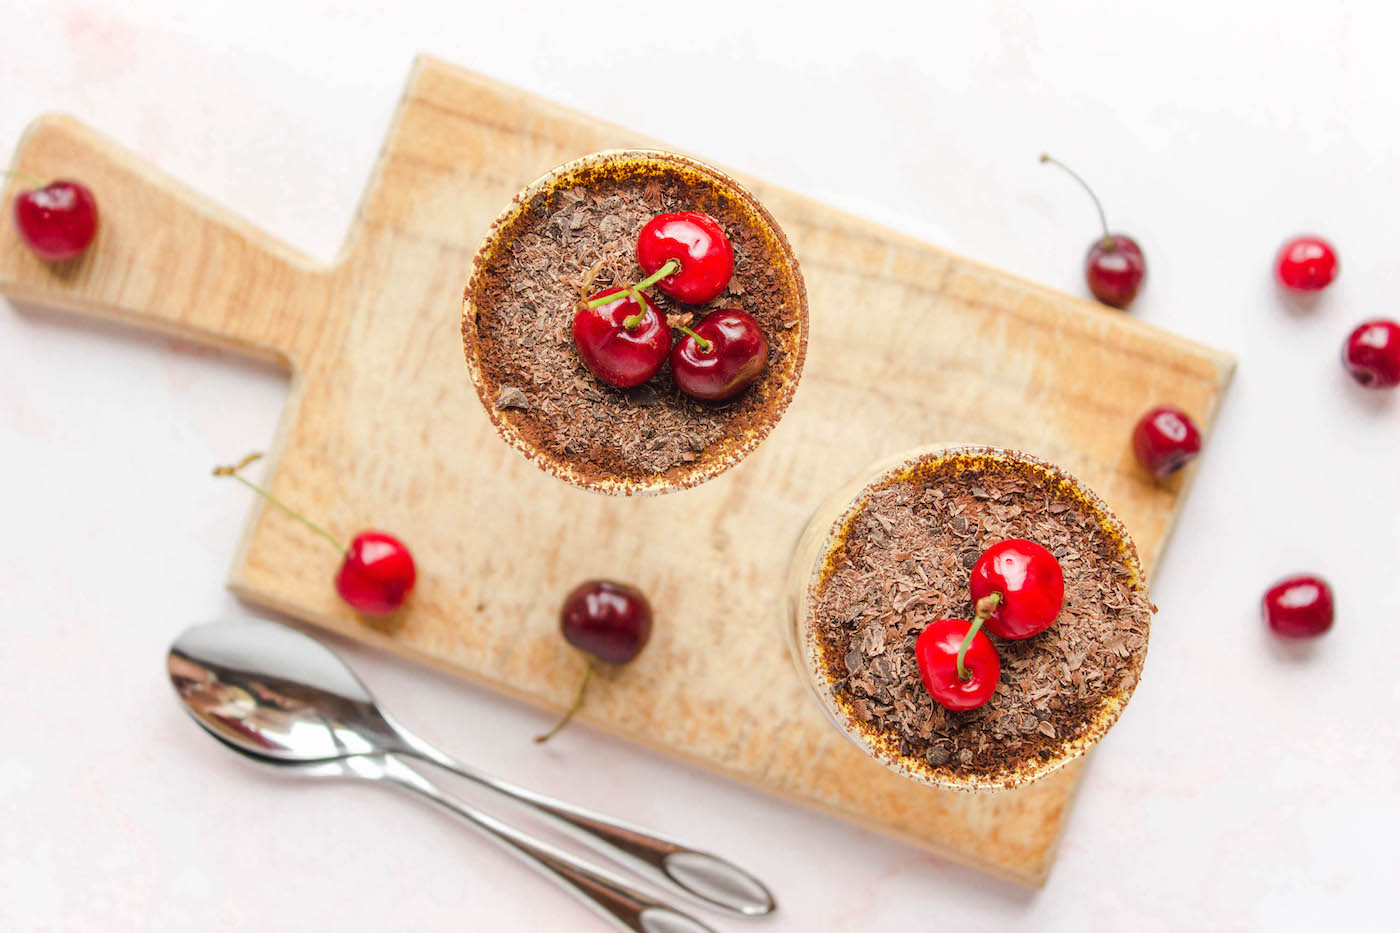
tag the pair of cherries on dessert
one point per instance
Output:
(1017, 590)
(624, 339)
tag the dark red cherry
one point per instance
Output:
(1306, 264)
(1165, 440)
(1029, 582)
(698, 244)
(1114, 269)
(608, 622)
(57, 221)
(1372, 354)
(721, 357)
(1115, 266)
(1299, 607)
(377, 573)
(611, 621)
(936, 655)
(623, 342)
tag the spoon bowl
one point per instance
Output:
(273, 692)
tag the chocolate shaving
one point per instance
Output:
(511, 397)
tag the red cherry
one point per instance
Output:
(1115, 265)
(1114, 269)
(376, 572)
(1372, 354)
(936, 653)
(607, 621)
(58, 221)
(1027, 578)
(623, 342)
(1165, 440)
(1299, 607)
(698, 245)
(376, 575)
(721, 357)
(1306, 264)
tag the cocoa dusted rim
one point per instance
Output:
(885, 746)
(780, 381)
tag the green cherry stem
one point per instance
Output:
(233, 472)
(1107, 238)
(574, 707)
(24, 177)
(670, 268)
(705, 345)
(635, 321)
(609, 298)
(985, 607)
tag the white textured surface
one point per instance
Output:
(1247, 787)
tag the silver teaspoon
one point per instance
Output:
(607, 895)
(275, 693)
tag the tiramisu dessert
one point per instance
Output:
(972, 617)
(635, 322)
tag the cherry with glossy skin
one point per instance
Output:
(936, 652)
(698, 244)
(57, 221)
(624, 341)
(1372, 354)
(1306, 264)
(1114, 267)
(1299, 607)
(1028, 580)
(721, 357)
(1165, 440)
(607, 621)
(376, 572)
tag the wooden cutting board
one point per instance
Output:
(383, 430)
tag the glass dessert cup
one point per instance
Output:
(1118, 623)
(767, 283)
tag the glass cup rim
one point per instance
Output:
(805, 643)
(705, 468)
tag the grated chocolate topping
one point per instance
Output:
(904, 561)
(581, 236)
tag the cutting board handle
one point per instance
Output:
(165, 258)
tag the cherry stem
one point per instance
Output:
(574, 707)
(635, 321)
(670, 268)
(985, 607)
(233, 472)
(1107, 238)
(705, 345)
(24, 177)
(609, 298)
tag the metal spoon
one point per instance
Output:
(277, 694)
(606, 894)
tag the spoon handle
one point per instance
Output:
(609, 896)
(701, 875)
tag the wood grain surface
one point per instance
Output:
(383, 430)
